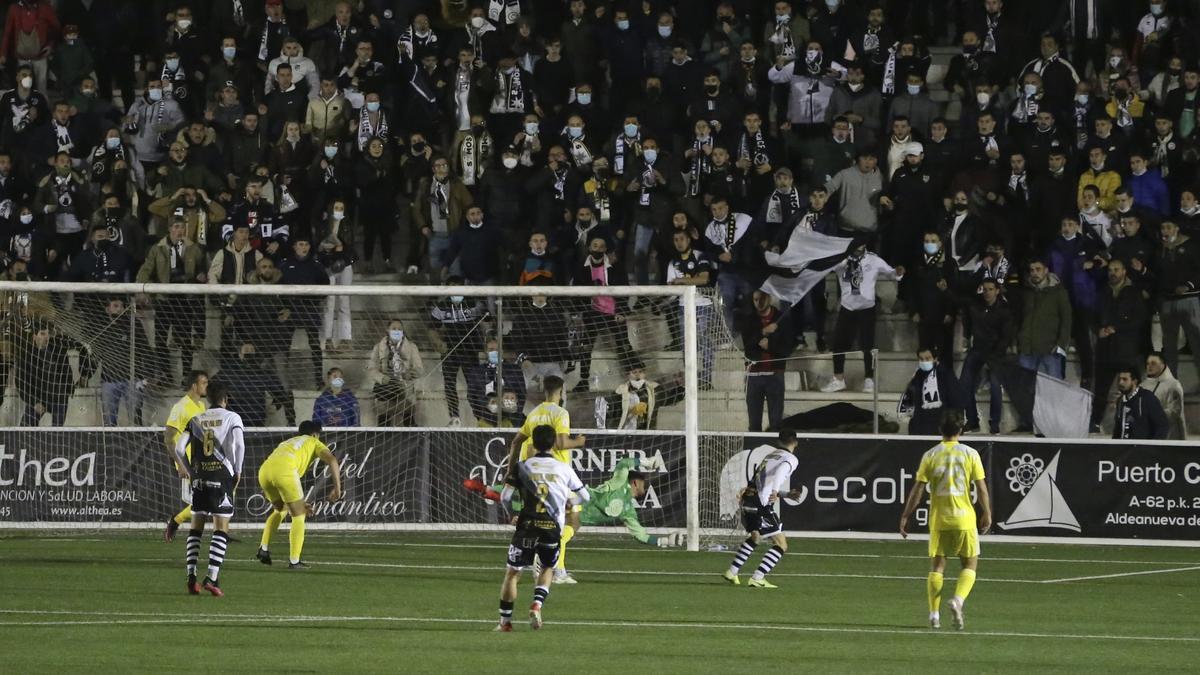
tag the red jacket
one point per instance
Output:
(33, 17)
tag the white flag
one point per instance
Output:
(808, 258)
(1060, 409)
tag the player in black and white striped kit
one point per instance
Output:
(770, 482)
(215, 467)
(547, 488)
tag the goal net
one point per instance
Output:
(420, 390)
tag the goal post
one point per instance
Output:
(97, 366)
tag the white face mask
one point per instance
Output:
(575, 132)
(112, 143)
(492, 407)
(637, 384)
(982, 98)
(664, 31)
(184, 24)
(396, 335)
(1030, 89)
(631, 130)
(585, 98)
(477, 22)
(456, 299)
(812, 55)
(27, 82)
(337, 382)
(330, 151)
(650, 154)
(373, 106)
(925, 365)
(156, 94)
(509, 162)
(509, 405)
(913, 89)
(26, 218)
(1081, 99)
(338, 215)
(856, 87)
(531, 128)
(172, 64)
(229, 52)
(1114, 61)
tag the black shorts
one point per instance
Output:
(212, 498)
(762, 520)
(534, 538)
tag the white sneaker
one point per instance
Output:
(935, 621)
(868, 386)
(833, 385)
(455, 422)
(563, 577)
(956, 611)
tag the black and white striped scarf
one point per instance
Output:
(623, 143)
(780, 207)
(263, 54)
(439, 193)
(1162, 153)
(368, 129)
(782, 38)
(510, 94)
(853, 275)
(701, 165)
(473, 155)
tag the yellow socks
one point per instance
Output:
(183, 516)
(933, 588)
(567, 534)
(296, 538)
(273, 522)
(966, 581)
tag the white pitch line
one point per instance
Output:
(190, 619)
(807, 554)
(1121, 574)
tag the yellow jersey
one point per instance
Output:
(181, 415)
(295, 454)
(949, 469)
(553, 415)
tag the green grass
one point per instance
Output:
(115, 602)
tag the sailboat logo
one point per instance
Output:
(1043, 505)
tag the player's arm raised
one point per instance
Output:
(985, 506)
(179, 454)
(326, 456)
(914, 500)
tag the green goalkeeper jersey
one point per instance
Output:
(613, 500)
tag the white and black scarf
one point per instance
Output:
(998, 271)
(1162, 149)
(782, 38)
(368, 129)
(1019, 184)
(634, 144)
(889, 71)
(178, 80)
(780, 206)
(1026, 109)
(701, 165)
(754, 148)
(870, 41)
(102, 158)
(397, 358)
(439, 194)
(560, 183)
(510, 93)
(475, 39)
(647, 182)
(581, 156)
(62, 136)
(473, 155)
(931, 397)
(263, 54)
(510, 8)
(853, 275)
(239, 14)
(989, 39)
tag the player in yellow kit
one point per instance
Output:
(550, 413)
(182, 412)
(279, 479)
(949, 469)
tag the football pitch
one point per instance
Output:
(114, 601)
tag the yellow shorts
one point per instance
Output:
(954, 543)
(280, 484)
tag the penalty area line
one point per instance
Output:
(1121, 574)
(192, 620)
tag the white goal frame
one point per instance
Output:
(687, 295)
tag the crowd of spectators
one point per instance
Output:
(1043, 197)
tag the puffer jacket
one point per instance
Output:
(1045, 317)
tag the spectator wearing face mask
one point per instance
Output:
(857, 275)
(860, 103)
(151, 121)
(636, 402)
(393, 371)
(932, 390)
(538, 262)
(440, 205)
(811, 83)
(337, 406)
(456, 321)
(501, 195)
(600, 316)
(31, 30)
(482, 382)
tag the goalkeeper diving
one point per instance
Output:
(613, 501)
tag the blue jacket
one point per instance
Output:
(336, 410)
(1150, 190)
(1066, 262)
